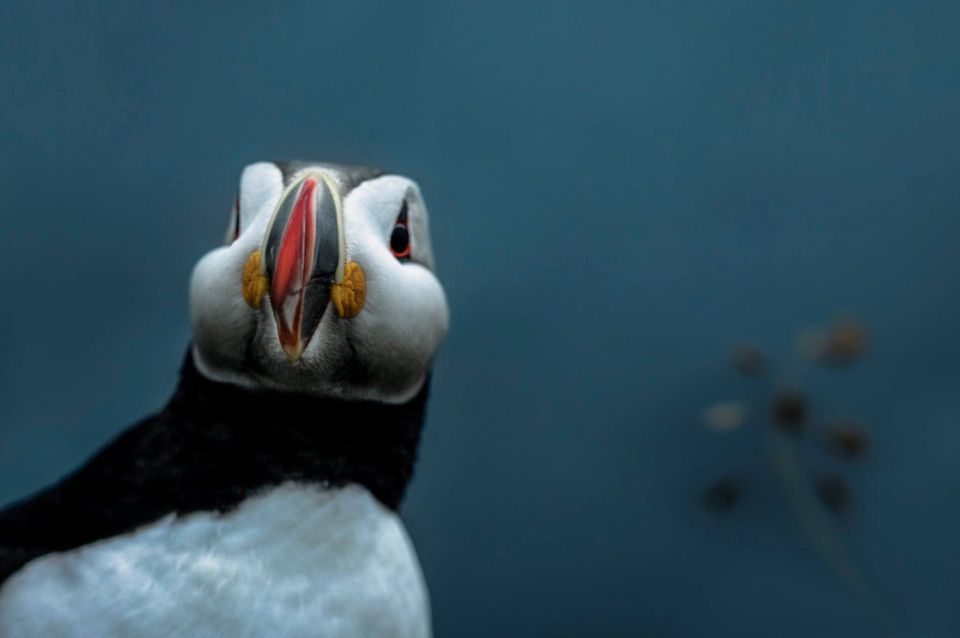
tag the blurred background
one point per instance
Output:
(620, 194)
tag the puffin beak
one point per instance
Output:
(302, 252)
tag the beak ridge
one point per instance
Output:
(302, 250)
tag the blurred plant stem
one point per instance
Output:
(819, 528)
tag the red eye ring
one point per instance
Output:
(400, 236)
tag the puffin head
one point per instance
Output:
(325, 286)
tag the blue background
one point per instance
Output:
(619, 192)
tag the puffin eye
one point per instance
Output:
(400, 237)
(233, 230)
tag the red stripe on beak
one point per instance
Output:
(292, 269)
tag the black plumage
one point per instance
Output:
(210, 448)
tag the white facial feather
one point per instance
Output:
(260, 187)
(383, 354)
(296, 561)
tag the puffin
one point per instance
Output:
(262, 500)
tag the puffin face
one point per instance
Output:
(325, 286)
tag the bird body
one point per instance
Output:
(261, 501)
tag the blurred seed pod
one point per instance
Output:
(849, 441)
(790, 411)
(723, 494)
(834, 493)
(727, 415)
(845, 342)
(749, 359)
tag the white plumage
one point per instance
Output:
(296, 561)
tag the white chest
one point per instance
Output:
(295, 561)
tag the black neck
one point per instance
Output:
(267, 437)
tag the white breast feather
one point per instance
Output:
(296, 561)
